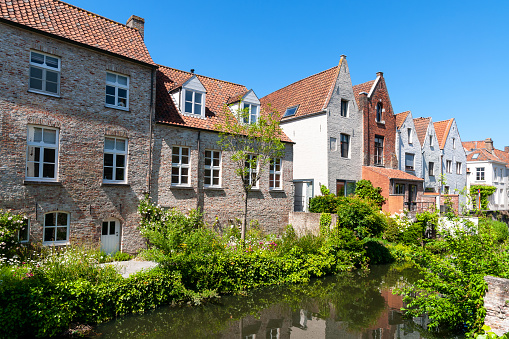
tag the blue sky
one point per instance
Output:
(444, 59)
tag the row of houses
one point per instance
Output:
(90, 124)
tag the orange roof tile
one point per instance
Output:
(311, 94)
(472, 145)
(392, 173)
(218, 95)
(67, 21)
(364, 87)
(442, 130)
(421, 127)
(400, 118)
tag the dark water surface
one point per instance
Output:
(353, 305)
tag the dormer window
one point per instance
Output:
(193, 102)
(250, 113)
(379, 109)
(290, 111)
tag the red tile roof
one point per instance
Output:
(218, 95)
(76, 24)
(472, 145)
(364, 87)
(442, 130)
(392, 173)
(400, 118)
(312, 94)
(479, 147)
(483, 155)
(421, 127)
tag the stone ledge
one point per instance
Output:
(46, 183)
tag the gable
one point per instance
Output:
(194, 84)
(251, 98)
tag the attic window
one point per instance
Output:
(290, 111)
(193, 102)
(379, 108)
(475, 156)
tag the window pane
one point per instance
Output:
(61, 233)
(35, 73)
(216, 160)
(119, 174)
(208, 161)
(49, 219)
(122, 102)
(52, 76)
(51, 62)
(122, 93)
(35, 84)
(112, 227)
(215, 181)
(111, 77)
(23, 232)
(197, 98)
(33, 169)
(184, 180)
(185, 151)
(197, 109)
(110, 90)
(175, 178)
(216, 173)
(189, 96)
(109, 143)
(108, 173)
(49, 234)
(185, 160)
(48, 170)
(37, 58)
(105, 228)
(51, 87)
(37, 134)
(50, 136)
(110, 100)
(185, 171)
(175, 159)
(188, 107)
(62, 219)
(122, 80)
(34, 153)
(108, 159)
(120, 145)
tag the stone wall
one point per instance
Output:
(307, 223)
(497, 305)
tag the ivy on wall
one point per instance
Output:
(485, 191)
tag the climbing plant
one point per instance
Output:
(485, 191)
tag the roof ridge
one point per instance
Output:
(204, 76)
(100, 16)
(365, 82)
(312, 75)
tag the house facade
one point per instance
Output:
(488, 166)
(431, 154)
(75, 116)
(189, 168)
(320, 114)
(408, 146)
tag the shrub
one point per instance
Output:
(324, 204)
(10, 224)
(361, 216)
(364, 189)
(377, 252)
(498, 229)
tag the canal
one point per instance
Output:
(358, 305)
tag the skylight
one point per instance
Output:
(475, 156)
(290, 111)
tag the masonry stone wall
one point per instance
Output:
(220, 205)
(83, 122)
(497, 307)
(340, 168)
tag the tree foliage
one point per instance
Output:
(365, 190)
(485, 190)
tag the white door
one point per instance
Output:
(110, 236)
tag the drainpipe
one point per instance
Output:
(149, 174)
(199, 197)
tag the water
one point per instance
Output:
(352, 305)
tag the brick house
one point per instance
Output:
(321, 116)
(76, 104)
(190, 170)
(431, 153)
(489, 166)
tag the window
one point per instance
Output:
(494, 174)
(180, 166)
(379, 150)
(117, 90)
(479, 173)
(345, 188)
(44, 73)
(290, 111)
(475, 156)
(42, 153)
(345, 145)
(56, 227)
(453, 143)
(431, 168)
(446, 189)
(212, 169)
(409, 132)
(251, 171)
(379, 110)
(458, 167)
(115, 160)
(333, 144)
(193, 102)
(409, 162)
(344, 108)
(250, 112)
(448, 166)
(275, 173)
(430, 140)
(399, 189)
(24, 231)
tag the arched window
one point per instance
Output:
(56, 228)
(379, 108)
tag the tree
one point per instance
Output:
(252, 146)
(365, 190)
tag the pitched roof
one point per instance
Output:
(364, 87)
(400, 118)
(472, 145)
(479, 147)
(312, 94)
(442, 130)
(76, 24)
(392, 173)
(218, 94)
(483, 155)
(421, 127)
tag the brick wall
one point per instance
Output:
(225, 204)
(83, 121)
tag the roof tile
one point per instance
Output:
(421, 127)
(400, 118)
(392, 173)
(364, 87)
(442, 130)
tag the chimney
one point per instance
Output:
(192, 70)
(489, 144)
(380, 74)
(137, 22)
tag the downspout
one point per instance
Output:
(149, 174)
(199, 198)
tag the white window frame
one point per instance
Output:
(341, 135)
(180, 166)
(43, 146)
(117, 86)
(344, 108)
(458, 167)
(247, 116)
(480, 174)
(378, 158)
(45, 68)
(252, 171)
(410, 136)
(56, 226)
(214, 154)
(26, 222)
(193, 103)
(115, 153)
(410, 168)
(448, 166)
(275, 184)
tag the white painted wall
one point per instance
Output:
(499, 199)
(455, 153)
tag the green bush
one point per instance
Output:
(364, 189)
(10, 224)
(377, 252)
(498, 229)
(361, 216)
(324, 204)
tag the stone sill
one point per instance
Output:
(38, 182)
(182, 187)
(44, 93)
(112, 184)
(118, 107)
(277, 190)
(213, 188)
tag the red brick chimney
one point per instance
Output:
(137, 22)
(506, 149)
(489, 144)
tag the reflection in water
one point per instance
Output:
(351, 305)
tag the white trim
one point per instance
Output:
(44, 68)
(213, 168)
(42, 146)
(28, 232)
(374, 86)
(68, 226)
(117, 86)
(193, 103)
(273, 172)
(253, 170)
(115, 152)
(180, 165)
